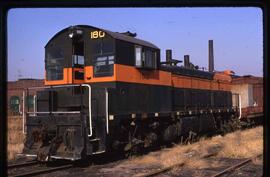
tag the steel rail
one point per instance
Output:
(236, 166)
(42, 171)
(154, 173)
(22, 164)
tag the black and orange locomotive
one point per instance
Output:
(108, 91)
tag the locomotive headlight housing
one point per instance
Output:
(75, 33)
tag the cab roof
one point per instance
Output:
(114, 35)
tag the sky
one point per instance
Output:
(237, 34)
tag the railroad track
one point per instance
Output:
(236, 166)
(22, 164)
(163, 170)
(35, 170)
(223, 172)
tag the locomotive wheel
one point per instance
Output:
(135, 150)
(224, 127)
(235, 124)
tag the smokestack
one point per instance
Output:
(169, 56)
(211, 56)
(186, 61)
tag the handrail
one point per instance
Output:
(107, 111)
(90, 111)
(55, 112)
(53, 86)
(35, 104)
(240, 107)
(33, 88)
(23, 121)
(62, 112)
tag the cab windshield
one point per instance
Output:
(54, 64)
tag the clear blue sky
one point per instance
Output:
(237, 34)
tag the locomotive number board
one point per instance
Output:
(97, 34)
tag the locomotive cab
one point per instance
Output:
(85, 54)
(65, 58)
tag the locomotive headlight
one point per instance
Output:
(76, 33)
(71, 35)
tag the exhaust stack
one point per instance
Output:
(211, 56)
(186, 61)
(168, 56)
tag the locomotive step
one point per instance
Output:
(98, 152)
(96, 139)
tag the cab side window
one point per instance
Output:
(103, 66)
(145, 57)
(103, 56)
(138, 56)
(150, 59)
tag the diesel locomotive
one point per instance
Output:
(108, 91)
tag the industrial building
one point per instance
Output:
(15, 94)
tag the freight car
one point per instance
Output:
(108, 91)
(250, 89)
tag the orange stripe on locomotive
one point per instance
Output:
(130, 74)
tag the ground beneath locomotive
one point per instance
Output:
(231, 148)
